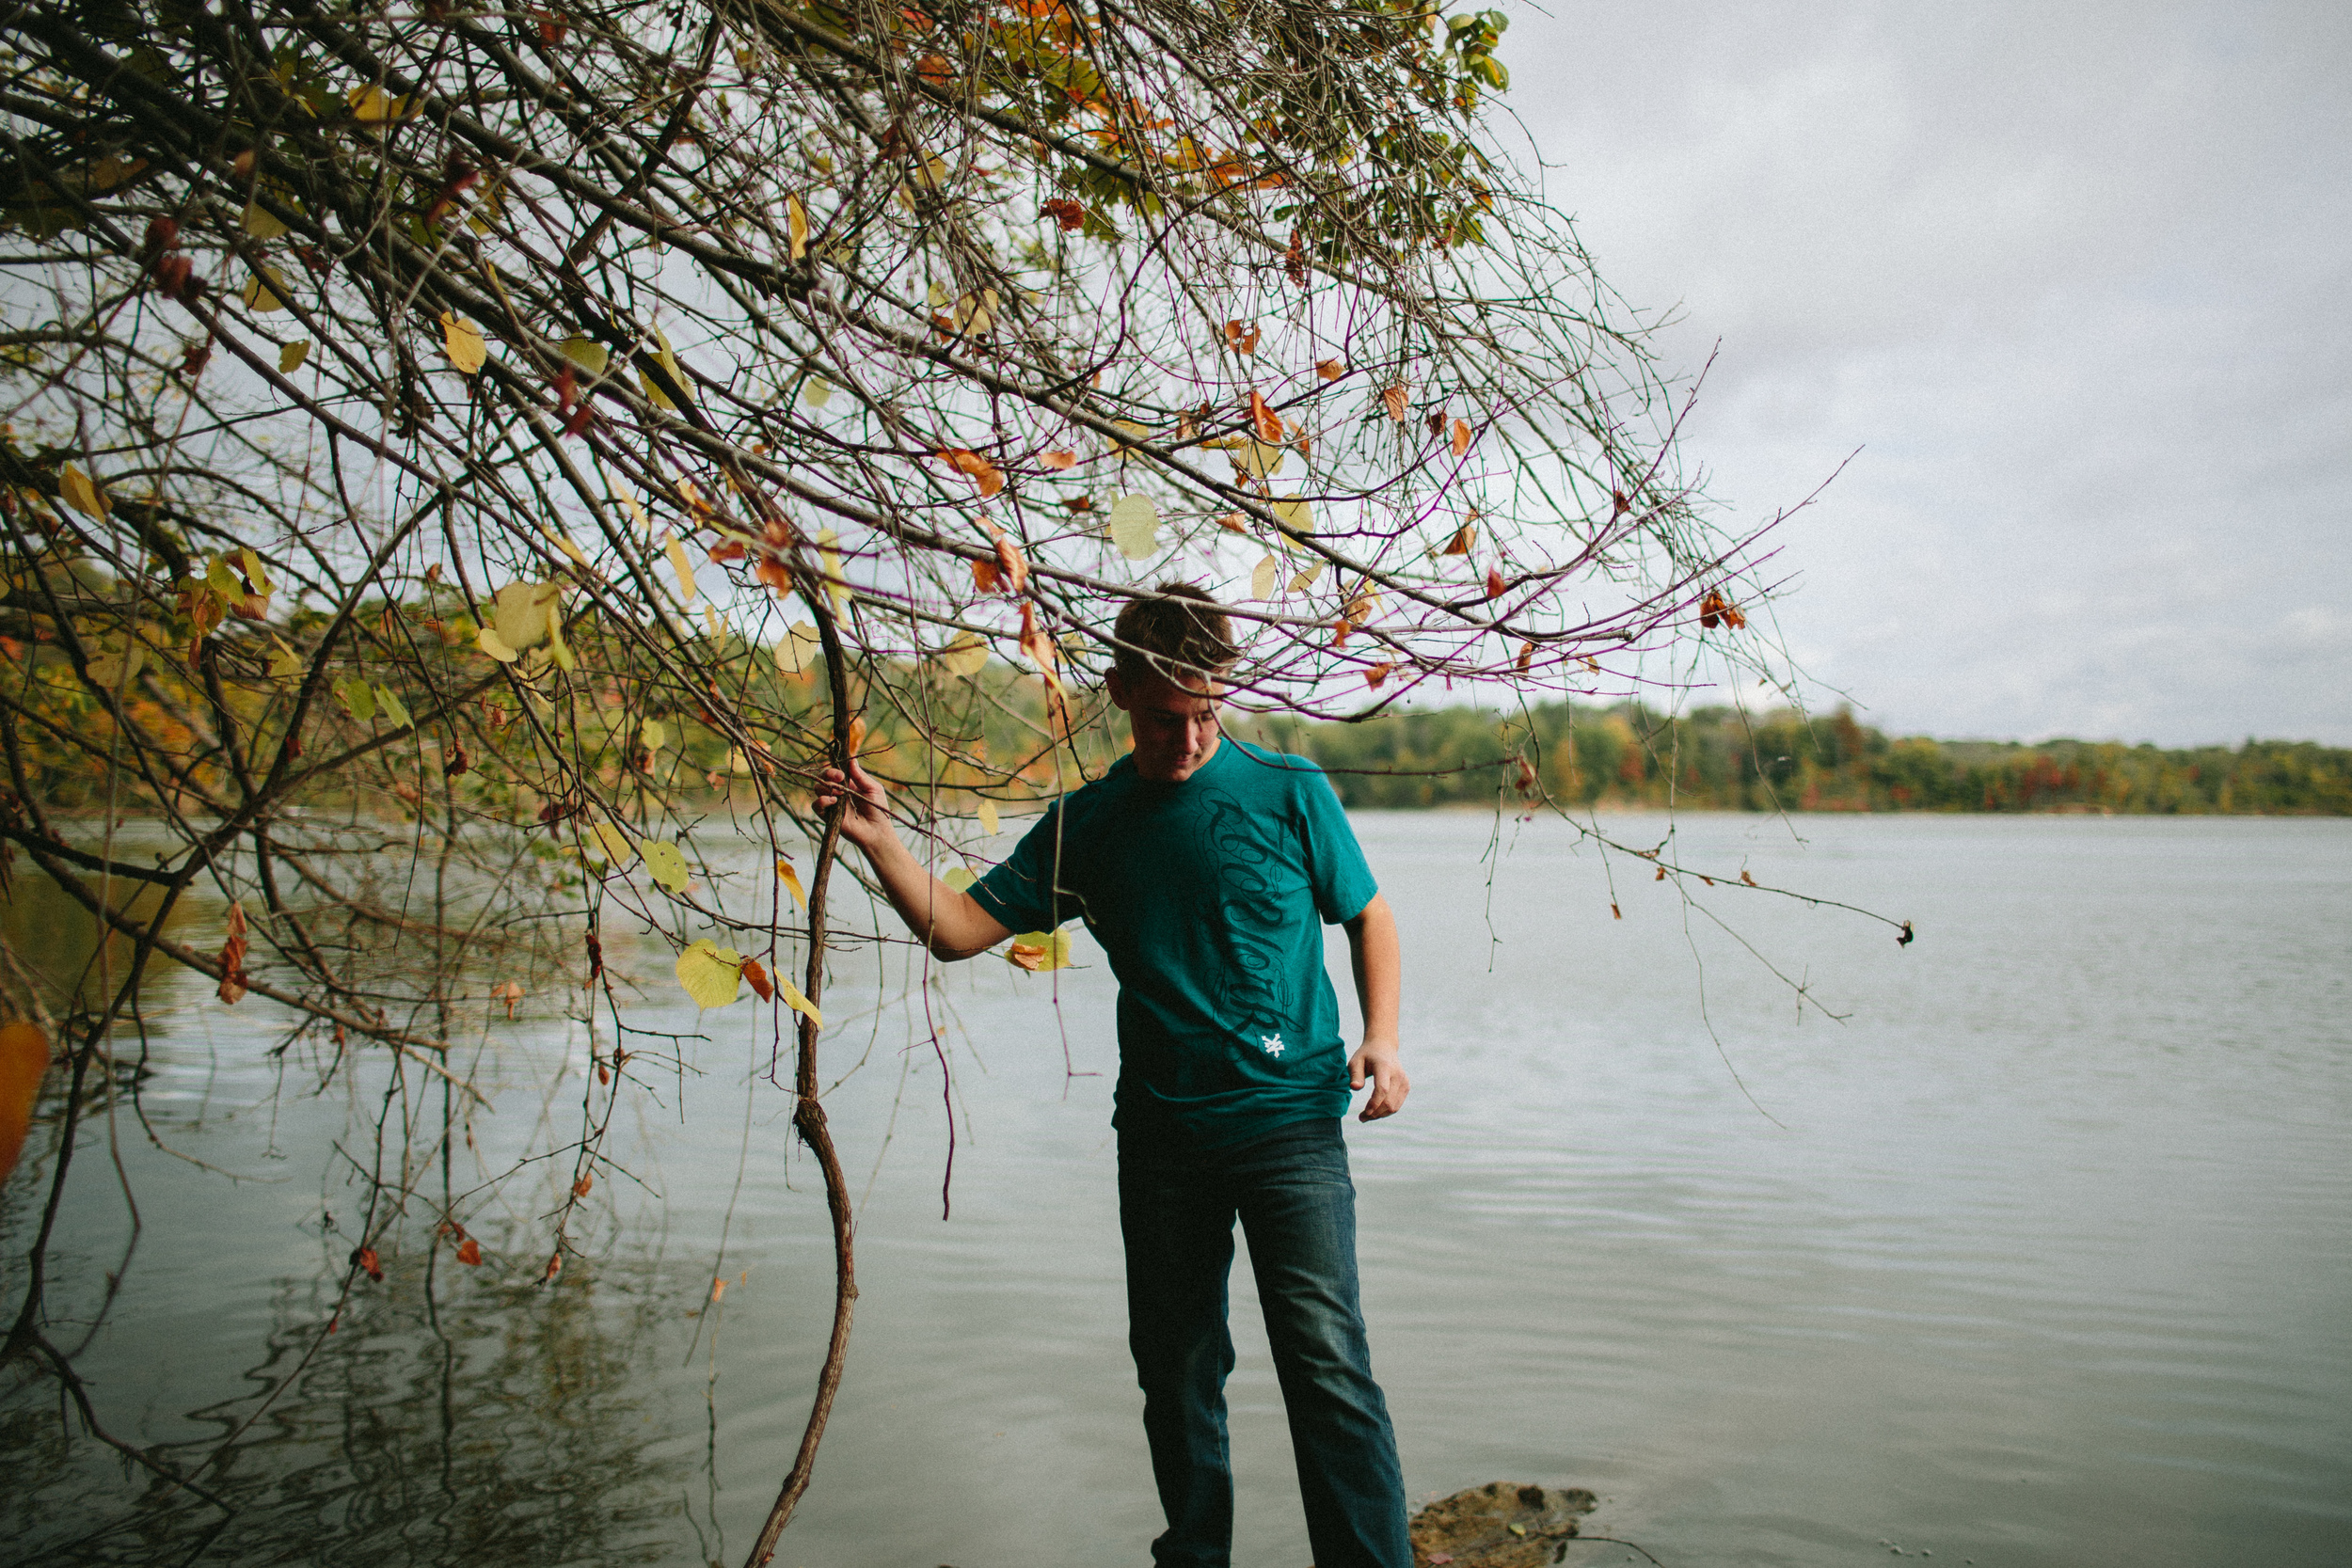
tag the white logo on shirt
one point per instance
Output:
(1273, 1044)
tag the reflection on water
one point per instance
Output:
(2046, 1262)
(488, 1427)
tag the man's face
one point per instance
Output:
(1174, 726)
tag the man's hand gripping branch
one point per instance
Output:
(951, 924)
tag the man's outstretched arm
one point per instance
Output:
(1372, 951)
(951, 924)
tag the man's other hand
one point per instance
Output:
(1376, 1061)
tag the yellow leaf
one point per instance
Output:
(617, 848)
(1038, 951)
(830, 560)
(262, 223)
(119, 661)
(711, 624)
(988, 817)
(523, 614)
(792, 881)
(491, 642)
(1131, 428)
(966, 656)
(586, 353)
(1262, 581)
(797, 648)
(563, 542)
(664, 863)
(1306, 578)
(959, 878)
(254, 573)
(285, 664)
(796, 225)
(975, 314)
(668, 360)
(816, 393)
(684, 570)
(558, 649)
(82, 493)
(655, 733)
(290, 358)
(798, 1003)
(463, 341)
(1258, 459)
(1135, 526)
(374, 108)
(1296, 517)
(265, 291)
(710, 973)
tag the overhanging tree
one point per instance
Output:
(536, 441)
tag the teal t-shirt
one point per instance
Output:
(1210, 898)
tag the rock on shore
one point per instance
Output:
(1498, 1525)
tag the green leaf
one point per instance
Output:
(710, 973)
(359, 697)
(588, 354)
(615, 844)
(1135, 526)
(394, 713)
(664, 862)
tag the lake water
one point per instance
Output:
(2042, 1256)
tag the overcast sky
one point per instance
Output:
(2077, 281)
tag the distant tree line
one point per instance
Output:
(1718, 758)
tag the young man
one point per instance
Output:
(1206, 868)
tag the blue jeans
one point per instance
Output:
(1291, 1190)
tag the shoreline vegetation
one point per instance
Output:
(1627, 755)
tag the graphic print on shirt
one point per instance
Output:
(1241, 845)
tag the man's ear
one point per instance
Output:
(1116, 686)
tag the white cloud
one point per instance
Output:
(2072, 279)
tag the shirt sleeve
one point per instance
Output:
(1343, 881)
(1018, 891)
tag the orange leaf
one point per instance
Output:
(1330, 369)
(1009, 563)
(1393, 398)
(1058, 460)
(1066, 212)
(232, 986)
(1464, 537)
(555, 1266)
(509, 993)
(1461, 437)
(369, 1263)
(587, 1179)
(1616, 913)
(857, 734)
(1036, 646)
(1264, 420)
(1243, 337)
(469, 1252)
(24, 1062)
(1378, 674)
(1232, 522)
(1745, 877)
(986, 577)
(1661, 875)
(1494, 582)
(982, 472)
(1527, 656)
(758, 977)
